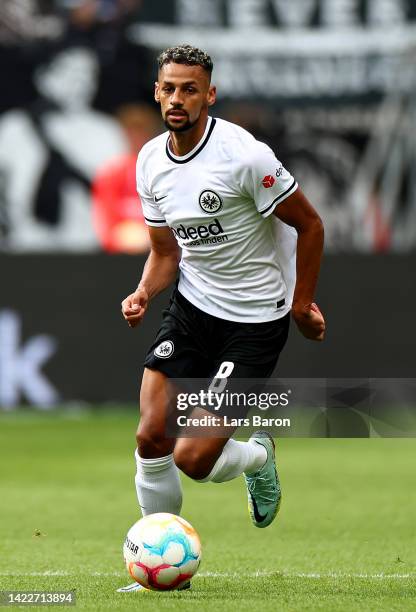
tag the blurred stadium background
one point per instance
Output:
(329, 84)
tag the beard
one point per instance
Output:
(180, 128)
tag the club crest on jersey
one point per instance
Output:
(210, 202)
(165, 349)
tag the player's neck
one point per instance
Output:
(182, 143)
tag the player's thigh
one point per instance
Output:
(155, 395)
(155, 406)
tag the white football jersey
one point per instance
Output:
(238, 260)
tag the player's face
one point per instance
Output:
(184, 93)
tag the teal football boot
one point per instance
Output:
(263, 487)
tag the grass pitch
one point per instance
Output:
(345, 538)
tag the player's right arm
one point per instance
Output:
(159, 272)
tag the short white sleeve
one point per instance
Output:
(266, 180)
(151, 211)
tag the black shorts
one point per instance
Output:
(193, 344)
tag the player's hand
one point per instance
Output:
(310, 321)
(135, 306)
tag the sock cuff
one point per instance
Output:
(217, 468)
(219, 464)
(153, 465)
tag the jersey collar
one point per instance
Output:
(183, 159)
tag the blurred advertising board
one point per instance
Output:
(63, 339)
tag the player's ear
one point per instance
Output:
(157, 91)
(212, 95)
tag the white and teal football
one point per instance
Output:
(162, 551)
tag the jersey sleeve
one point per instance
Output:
(151, 212)
(266, 180)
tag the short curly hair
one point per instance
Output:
(186, 54)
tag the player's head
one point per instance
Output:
(184, 88)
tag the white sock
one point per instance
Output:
(158, 485)
(236, 458)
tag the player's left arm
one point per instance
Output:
(298, 212)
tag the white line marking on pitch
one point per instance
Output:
(259, 574)
(283, 574)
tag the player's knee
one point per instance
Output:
(192, 462)
(151, 442)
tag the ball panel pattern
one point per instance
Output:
(162, 551)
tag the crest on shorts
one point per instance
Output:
(165, 349)
(210, 202)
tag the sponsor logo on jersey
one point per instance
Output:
(210, 202)
(268, 181)
(201, 234)
(279, 171)
(165, 349)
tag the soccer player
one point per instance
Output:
(223, 209)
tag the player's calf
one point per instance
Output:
(194, 458)
(218, 459)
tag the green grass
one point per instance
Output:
(345, 538)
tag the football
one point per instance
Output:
(162, 551)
